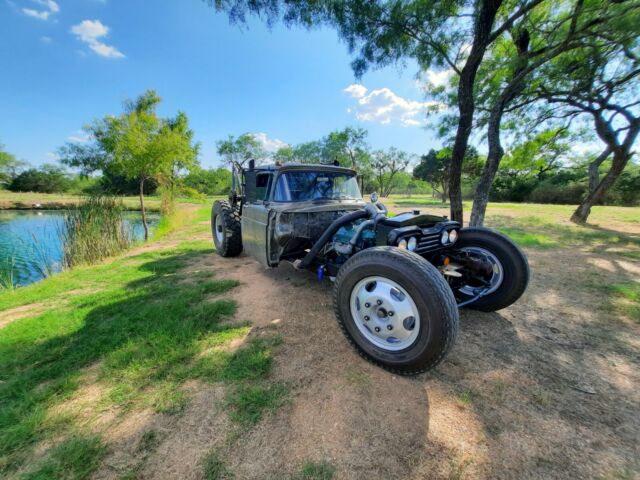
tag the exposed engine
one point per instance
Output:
(341, 240)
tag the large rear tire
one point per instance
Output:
(226, 229)
(396, 309)
(510, 275)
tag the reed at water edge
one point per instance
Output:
(7, 274)
(93, 230)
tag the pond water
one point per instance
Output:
(31, 241)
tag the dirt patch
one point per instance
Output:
(24, 311)
(541, 389)
(547, 388)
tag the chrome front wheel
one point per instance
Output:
(385, 313)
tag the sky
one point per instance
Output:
(64, 63)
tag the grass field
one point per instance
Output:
(53, 201)
(170, 362)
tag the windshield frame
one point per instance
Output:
(347, 174)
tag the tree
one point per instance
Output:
(9, 166)
(433, 33)
(386, 165)
(138, 144)
(596, 83)
(537, 39)
(541, 154)
(46, 179)
(238, 151)
(435, 168)
(210, 182)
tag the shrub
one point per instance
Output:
(547, 192)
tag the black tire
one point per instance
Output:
(514, 265)
(436, 305)
(229, 243)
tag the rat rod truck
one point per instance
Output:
(399, 280)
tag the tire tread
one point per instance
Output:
(449, 306)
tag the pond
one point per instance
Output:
(31, 240)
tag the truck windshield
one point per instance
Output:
(302, 186)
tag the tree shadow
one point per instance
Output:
(145, 338)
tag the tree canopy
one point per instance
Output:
(137, 144)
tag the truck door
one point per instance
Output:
(255, 215)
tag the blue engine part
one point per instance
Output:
(344, 235)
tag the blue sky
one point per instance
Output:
(66, 62)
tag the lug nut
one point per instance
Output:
(389, 327)
(366, 318)
(377, 329)
(379, 302)
(367, 305)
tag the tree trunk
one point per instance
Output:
(620, 161)
(594, 168)
(481, 196)
(466, 105)
(143, 212)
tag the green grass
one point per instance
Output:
(626, 299)
(75, 458)
(145, 325)
(538, 232)
(249, 402)
(214, 469)
(316, 471)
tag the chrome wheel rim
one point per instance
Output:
(497, 276)
(385, 313)
(218, 229)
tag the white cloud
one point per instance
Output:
(269, 144)
(50, 7)
(89, 31)
(356, 90)
(45, 39)
(79, 137)
(384, 106)
(439, 79)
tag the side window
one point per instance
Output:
(263, 182)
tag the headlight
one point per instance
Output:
(402, 244)
(453, 236)
(412, 244)
(444, 239)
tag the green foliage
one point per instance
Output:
(434, 168)
(137, 145)
(113, 183)
(47, 179)
(240, 150)
(9, 166)
(386, 165)
(94, 230)
(210, 182)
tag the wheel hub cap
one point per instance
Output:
(217, 228)
(385, 313)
